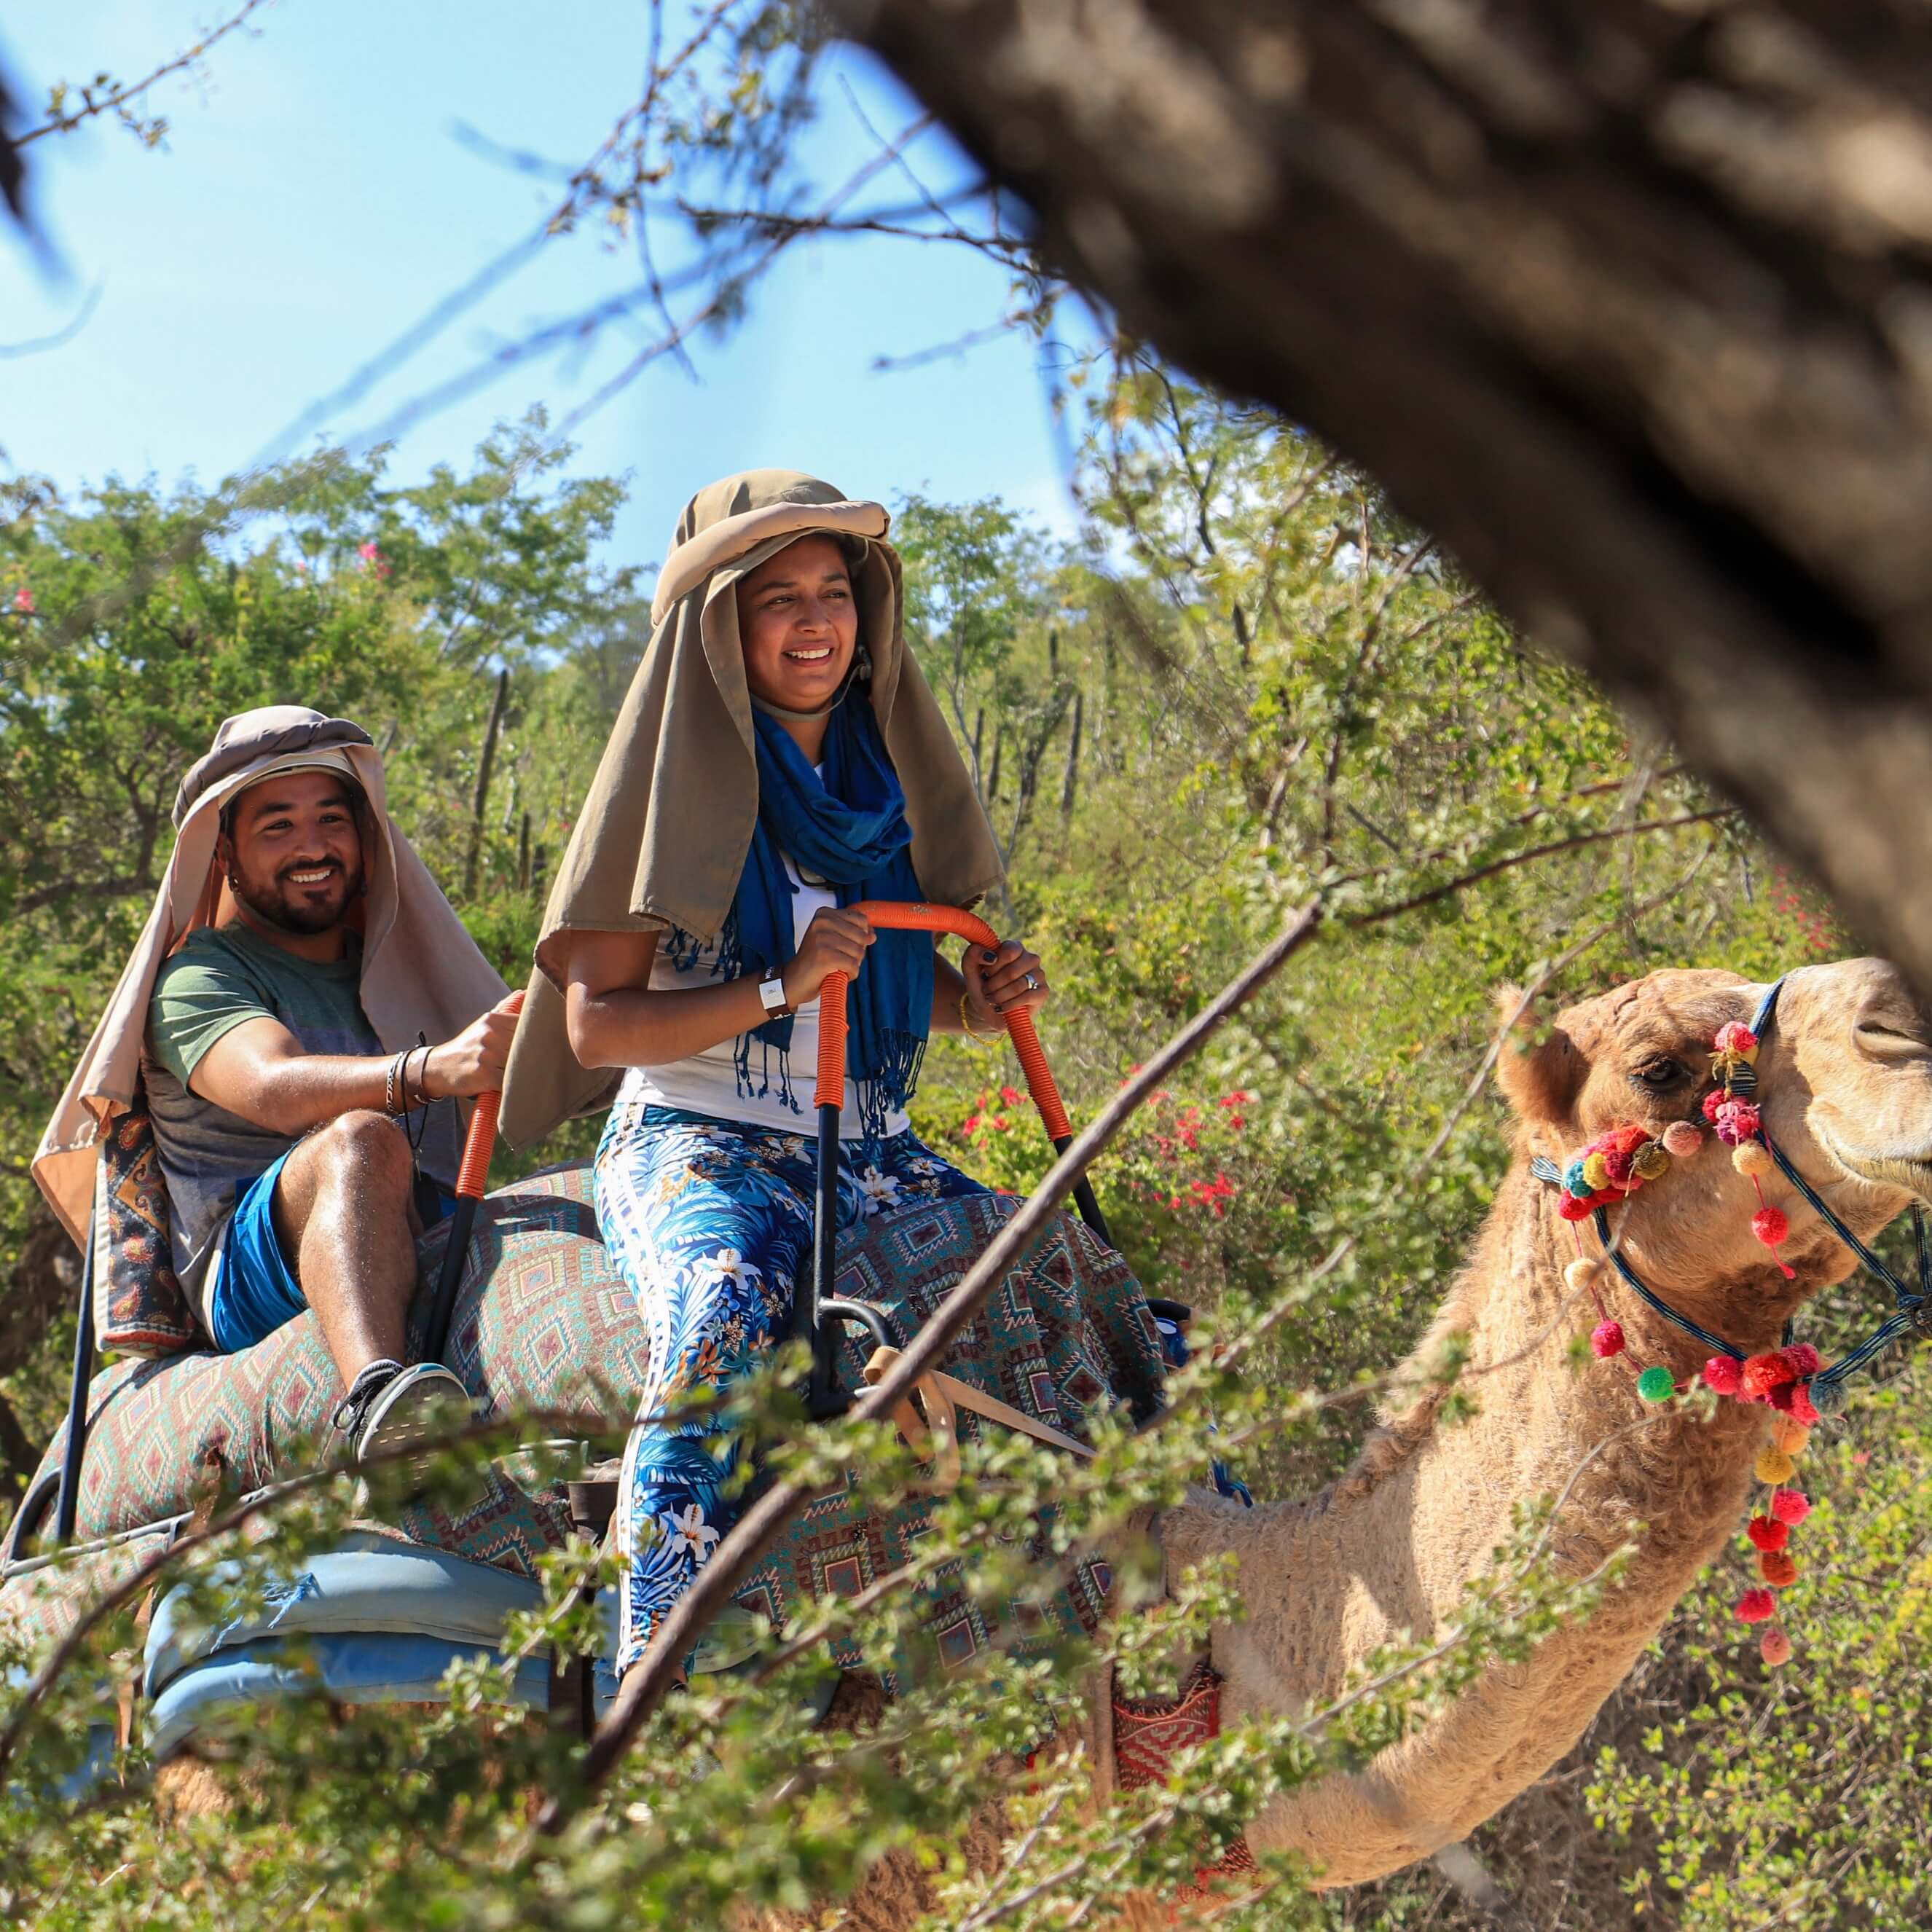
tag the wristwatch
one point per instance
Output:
(773, 993)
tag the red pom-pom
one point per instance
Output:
(1778, 1569)
(1737, 1121)
(1625, 1140)
(1790, 1506)
(1804, 1358)
(1763, 1373)
(1617, 1164)
(1774, 1647)
(1713, 1100)
(1756, 1606)
(1803, 1409)
(1722, 1374)
(1572, 1209)
(1606, 1339)
(1734, 1037)
(1770, 1226)
(1766, 1533)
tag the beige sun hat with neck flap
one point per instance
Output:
(662, 837)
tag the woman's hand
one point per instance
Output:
(835, 942)
(996, 983)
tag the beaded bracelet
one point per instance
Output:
(966, 1021)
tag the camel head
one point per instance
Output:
(1844, 1087)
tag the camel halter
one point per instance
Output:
(1789, 1379)
(1738, 1123)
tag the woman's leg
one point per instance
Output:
(882, 1177)
(707, 1224)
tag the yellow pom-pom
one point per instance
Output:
(1750, 1157)
(1773, 1465)
(1650, 1162)
(1579, 1275)
(1792, 1435)
(1596, 1170)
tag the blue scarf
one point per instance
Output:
(851, 832)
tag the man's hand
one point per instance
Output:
(473, 1062)
(835, 942)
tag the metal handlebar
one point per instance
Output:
(824, 1396)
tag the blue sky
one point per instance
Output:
(314, 198)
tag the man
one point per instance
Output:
(302, 1157)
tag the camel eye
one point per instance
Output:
(1656, 1074)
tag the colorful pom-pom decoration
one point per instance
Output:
(1766, 1533)
(1804, 1410)
(1580, 1273)
(1573, 1208)
(1725, 1374)
(1790, 1507)
(1597, 1172)
(1774, 1647)
(1752, 1158)
(1713, 1100)
(1651, 1162)
(1682, 1140)
(1656, 1385)
(1573, 1182)
(1791, 1435)
(1734, 1037)
(1736, 1122)
(1606, 1339)
(1756, 1606)
(1803, 1357)
(1763, 1373)
(1778, 1569)
(1773, 1465)
(1770, 1226)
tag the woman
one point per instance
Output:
(779, 741)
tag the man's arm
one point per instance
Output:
(259, 1071)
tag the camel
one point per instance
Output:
(1845, 1086)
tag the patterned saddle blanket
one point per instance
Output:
(543, 1322)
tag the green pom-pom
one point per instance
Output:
(1656, 1385)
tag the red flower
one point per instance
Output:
(1011, 1095)
(23, 601)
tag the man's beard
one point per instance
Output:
(286, 907)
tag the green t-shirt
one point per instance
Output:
(221, 978)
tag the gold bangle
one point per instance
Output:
(966, 1021)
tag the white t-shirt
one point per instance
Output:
(707, 1082)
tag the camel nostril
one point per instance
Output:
(1894, 1036)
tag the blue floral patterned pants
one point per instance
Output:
(710, 1223)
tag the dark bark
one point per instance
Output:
(1628, 303)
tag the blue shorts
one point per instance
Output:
(255, 1290)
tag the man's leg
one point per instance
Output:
(342, 1211)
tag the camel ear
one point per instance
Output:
(1539, 1068)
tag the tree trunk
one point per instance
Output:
(1070, 784)
(1626, 302)
(497, 708)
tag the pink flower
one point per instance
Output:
(23, 601)
(1010, 1095)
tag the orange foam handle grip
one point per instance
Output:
(480, 1143)
(479, 1146)
(1040, 1080)
(898, 916)
(830, 1091)
(904, 916)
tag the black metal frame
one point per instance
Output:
(818, 1313)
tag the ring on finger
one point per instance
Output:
(1032, 983)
